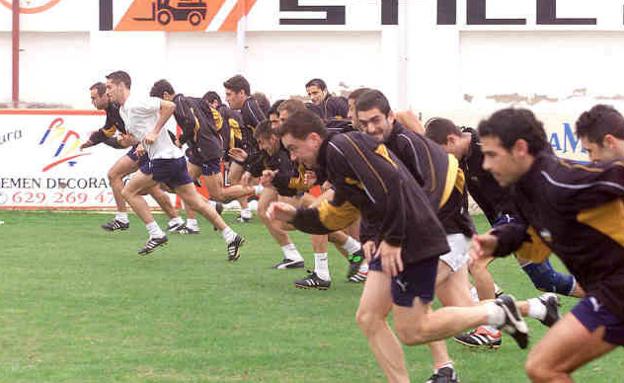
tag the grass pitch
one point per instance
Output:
(78, 305)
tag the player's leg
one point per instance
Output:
(125, 165)
(235, 174)
(546, 278)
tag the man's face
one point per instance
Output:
(352, 115)
(275, 121)
(303, 151)
(283, 116)
(374, 123)
(235, 99)
(605, 152)
(505, 165)
(452, 146)
(269, 144)
(99, 102)
(114, 91)
(316, 94)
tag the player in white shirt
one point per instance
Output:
(145, 119)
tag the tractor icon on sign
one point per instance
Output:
(193, 11)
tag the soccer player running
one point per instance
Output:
(238, 96)
(114, 134)
(200, 133)
(578, 212)
(601, 131)
(493, 200)
(145, 119)
(402, 236)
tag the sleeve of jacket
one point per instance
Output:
(510, 235)
(587, 186)
(328, 217)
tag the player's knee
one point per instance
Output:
(535, 369)
(409, 333)
(545, 278)
(369, 321)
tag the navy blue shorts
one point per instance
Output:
(143, 161)
(208, 168)
(132, 154)
(592, 314)
(171, 172)
(416, 280)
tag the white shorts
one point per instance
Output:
(458, 256)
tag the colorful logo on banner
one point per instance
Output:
(31, 6)
(68, 144)
(183, 15)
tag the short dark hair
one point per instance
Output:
(510, 125)
(357, 93)
(301, 124)
(120, 77)
(100, 87)
(316, 82)
(211, 96)
(263, 101)
(263, 130)
(438, 129)
(238, 83)
(160, 87)
(292, 106)
(599, 121)
(373, 99)
(274, 109)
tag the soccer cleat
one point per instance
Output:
(551, 301)
(183, 229)
(233, 248)
(359, 277)
(514, 324)
(289, 264)
(115, 224)
(242, 219)
(174, 227)
(444, 375)
(312, 281)
(152, 244)
(480, 338)
(355, 260)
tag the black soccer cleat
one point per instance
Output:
(312, 281)
(355, 260)
(289, 264)
(183, 229)
(444, 375)
(233, 248)
(173, 228)
(481, 337)
(551, 301)
(153, 244)
(115, 225)
(514, 324)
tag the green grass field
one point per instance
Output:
(78, 305)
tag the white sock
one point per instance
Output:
(321, 266)
(352, 246)
(228, 234)
(363, 268)
(154, 230)
(290, 252)
(448, 364)
(192, 223)
(537, 310)
(246, 213)
(176, 221)
(495, 313)
(258, 189)
(212, 203)
(491, 329)
(121, 217)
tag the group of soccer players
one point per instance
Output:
(392, 196)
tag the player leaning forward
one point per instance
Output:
(401, 233)
(145, 119)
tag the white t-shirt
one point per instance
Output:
(140, 116)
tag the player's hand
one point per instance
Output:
(150, 138)
(126, 140)
(246, 179)
(391, 262)
(238, 154)
(267, 177)
(326, 186)
(482, 247)
(140, 150)
(87, 144)
(281, 211)
(369, 249)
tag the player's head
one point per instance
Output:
(352, 99)
(237, 90)
(303, 134)
(601, 130)
(263, 101)
(99, 98)
(266, 137)
(444, 132)
(290, 107)
(317, 90)
(510, 139)
(273, 114)
(162, 89)
(213, 99)
(118, 86)
(374, 115)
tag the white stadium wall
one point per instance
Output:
(558, 57)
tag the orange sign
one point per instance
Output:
(31, 6)
(179, 15)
